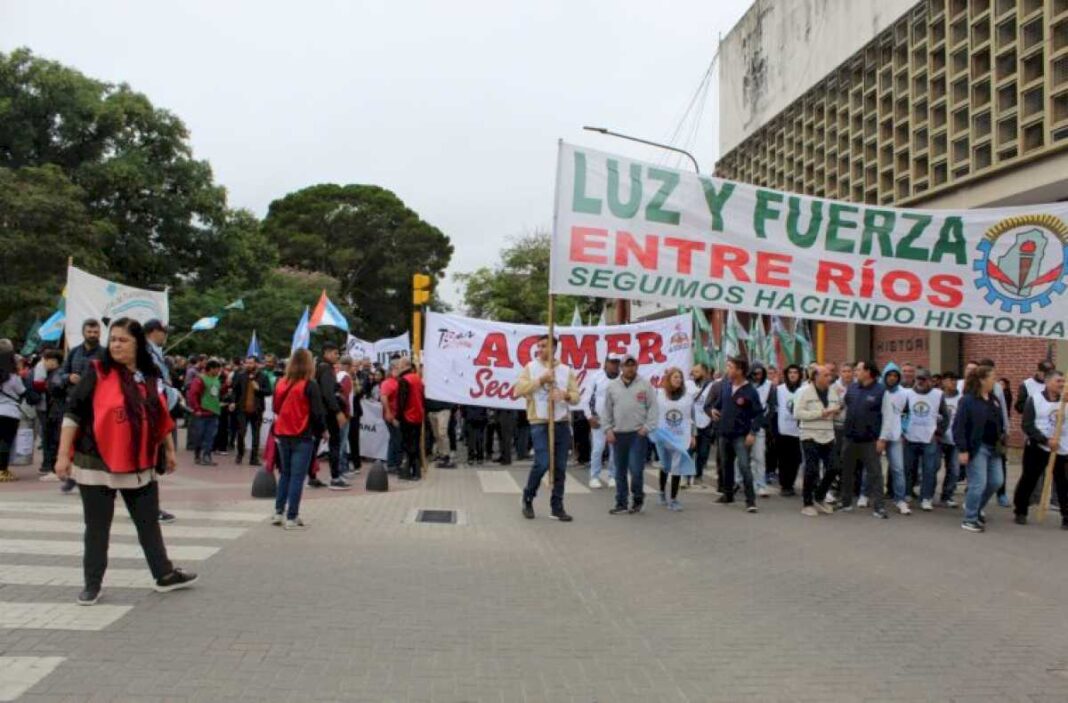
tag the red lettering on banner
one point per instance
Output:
(649, 348)
(586, 239)
(947, 293)
(524, 354)
(494, 352)
(627, 246)
(617, 343)
(686, 249)
(579, 355)
(769, 265)
(838, 275)
(733, 258)
(911, 295)
(486, 387)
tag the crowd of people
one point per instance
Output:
(833, 426)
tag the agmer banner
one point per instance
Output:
(629, 229)
(477, 362)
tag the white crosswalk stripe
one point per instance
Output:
(573, 486)
(59, 616)
(20, 674)
(34, 575)
(181, 552)
(73, 506)
(498, 482)
(9, 525)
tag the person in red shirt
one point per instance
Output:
(411, 413)
(300, 418)
(388, 391)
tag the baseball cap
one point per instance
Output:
(923, 373)
(628, 358)
(153, 325)
(615, 357)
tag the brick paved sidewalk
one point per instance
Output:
(709, 604)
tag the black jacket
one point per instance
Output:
(741, 411)
(972, 416)
(864, 412)
(241, 380)
(327, 381)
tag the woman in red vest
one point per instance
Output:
(299, 417)
(112, 454)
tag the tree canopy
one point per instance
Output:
(366, 238)
(517, 288)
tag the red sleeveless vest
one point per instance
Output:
(291, 408)
(111, 429)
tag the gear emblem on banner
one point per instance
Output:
(1031, 269)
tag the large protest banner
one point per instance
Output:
(477, 362)
(90, 296)
(374, 435)
(628, 229)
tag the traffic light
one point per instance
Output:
(420, 289)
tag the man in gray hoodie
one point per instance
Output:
(630, 414)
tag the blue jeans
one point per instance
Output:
(986, 474)
(207, 427)
(926, 457)
(631, 449)
(733, 449)
(395, 450)
(597, 436)
(294, 456)
(343, 450)
(539, 433)
(895, 459)
(952, 462)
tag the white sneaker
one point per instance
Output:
(596, 483)
(903, 508)
(830, 498)
(763, 492)
(862, 502)
(611, 483)
(950, 503)
(927, 505)
(276, 519)
(809, 511)
(297, 524)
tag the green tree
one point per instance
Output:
(272, 309)
(131, 160)
(42, 221)
(366, 238)
(517, 288)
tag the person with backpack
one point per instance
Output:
(13, 393)
(411, 413)
(299, 420)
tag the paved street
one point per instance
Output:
(709, 604)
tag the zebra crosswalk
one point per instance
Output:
(512, 481)
(41, 547)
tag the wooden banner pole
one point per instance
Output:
(552, 387)
(1047, 485)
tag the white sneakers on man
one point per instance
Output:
(927, 506)
(903, 508)
(596, 483)
(862, 502)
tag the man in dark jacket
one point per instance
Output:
(326, 378)
(740, 414)
(863, 424)
(251, 388)
(82, 356)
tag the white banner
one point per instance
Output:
(359, 349)
(374, 436)
(477, 362)
(385, 348)
(92, 297)
(628, 229)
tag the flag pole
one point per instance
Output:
(552, 387)
(1043, 503)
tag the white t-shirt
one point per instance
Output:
(541, 394)
(923, 414)
(700, 417)
(785, 399)
(1046, 421)
(676, 416)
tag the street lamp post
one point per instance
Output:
(610, 133)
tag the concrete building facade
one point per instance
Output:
(932, 104)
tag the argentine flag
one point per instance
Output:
(326, 313)
(253, 347)
(205, 323)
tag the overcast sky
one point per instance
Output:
(454, 106)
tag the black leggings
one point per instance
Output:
(674, 484)
(98, 503)
(9, 427)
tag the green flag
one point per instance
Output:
(33, 339)
(786, 338)
(756, 345)
(733, 335)
(805, 342)
(700, 321)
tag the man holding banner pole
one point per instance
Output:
(542, 378)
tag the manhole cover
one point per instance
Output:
(446, 517)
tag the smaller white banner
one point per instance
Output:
(92, 297)
(374, 436)
(385, 348)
